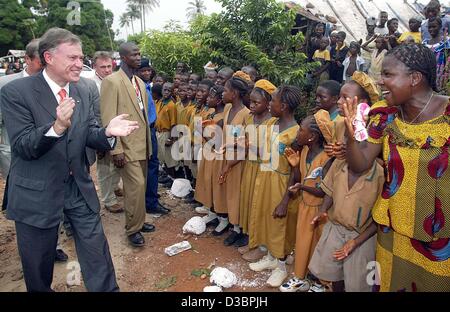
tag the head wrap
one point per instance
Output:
(367, 84)
(242, 75)
(326, 125)
(266, 85)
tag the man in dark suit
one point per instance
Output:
(50, 122)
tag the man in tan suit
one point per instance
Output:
(124, 93)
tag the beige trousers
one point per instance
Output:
(134, 177)
(108, 178)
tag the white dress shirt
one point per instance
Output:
(55, 90)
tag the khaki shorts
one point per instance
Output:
(164, 152)
(352, 270)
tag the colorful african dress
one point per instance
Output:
(413, 211)
(441, 50)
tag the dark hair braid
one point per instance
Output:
(417, 57)
(263, 93)
(290, 95)
(240, 85)
(333, 87)
(217, 90)
(314, 127)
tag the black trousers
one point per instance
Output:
(37, 247)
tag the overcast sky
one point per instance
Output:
(168, 10)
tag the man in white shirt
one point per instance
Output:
(50, 122)
(108, 175)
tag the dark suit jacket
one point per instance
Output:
(94, 98)
(40, 165)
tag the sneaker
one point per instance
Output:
(265, 263)
(202, 210)
(208, 218)
(254, 255)
(295, 284)
(277, 277)
(317, 287)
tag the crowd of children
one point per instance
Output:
(281, 188)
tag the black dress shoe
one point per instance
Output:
(61, 256)
(163, 208)
(158, 210)
(241, 242)
(136, 239)
(148, 228)
(232, 238)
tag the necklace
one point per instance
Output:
(420, 113)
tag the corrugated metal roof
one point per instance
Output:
(352, 14)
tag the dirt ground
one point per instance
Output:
(142, 269)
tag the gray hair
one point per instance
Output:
(32, 49)
(53, 38)
(101, 55)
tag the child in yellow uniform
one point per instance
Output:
(271, 204)
(348, 240)
(323, 56)
(260, 98)
(314, 163)
(166, 112)
(208, 174)
(184, 105)
(235, 114)
(200, 113)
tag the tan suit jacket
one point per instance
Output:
(118, 96)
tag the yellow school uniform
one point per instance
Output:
(251, 169)
(417, 36)
(322, 55)
(232, 186)
(308, 235)
(208, 175)
(166, 112)
(270, 187)
(183, 113)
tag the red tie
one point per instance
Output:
(62, 94)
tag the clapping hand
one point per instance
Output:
(121, 127)
(64, 113)
(292, 156)
(350, 108)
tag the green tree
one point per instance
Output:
(133, 14)
(144, 7)
(256, 32)
(125, 21)
(15, 30)
(95, 24)
(173, 44)
(195, 8)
